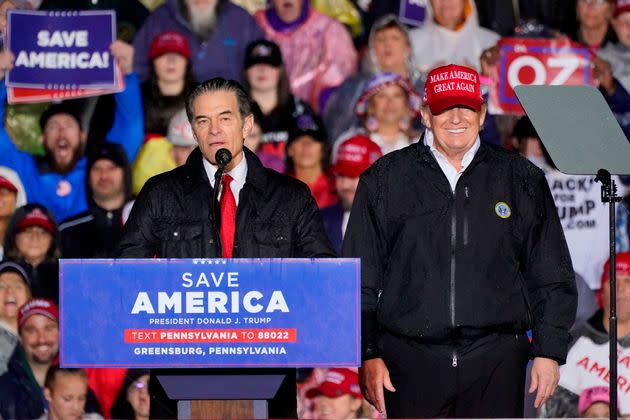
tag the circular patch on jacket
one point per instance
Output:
(64, 188)
(502, 210)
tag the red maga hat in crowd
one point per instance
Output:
(622, 266)
(5, 183)
(355, 155)
(36, 217)
(38, 306)
(338, 382)
(169, 42)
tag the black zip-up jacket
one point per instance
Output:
(20, 395)
(437, 264)
(95, 233)
(276, 216)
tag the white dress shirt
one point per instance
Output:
(238, 174)
(449, 170)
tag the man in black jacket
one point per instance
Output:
(461, 253)
(263, 213)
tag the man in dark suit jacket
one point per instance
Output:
(263, 213)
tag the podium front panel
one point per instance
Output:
(210, 313)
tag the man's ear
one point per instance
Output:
(248, 125)
(425, 113)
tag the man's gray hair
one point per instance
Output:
(220, 84)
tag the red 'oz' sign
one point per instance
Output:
(525, 61)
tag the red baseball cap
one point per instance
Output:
(169, 42)
(338, 382)
(452, 85)
(38, 306)
(621, 6)
(355, 155)
(5, 183)
(622, 266)
(36, 217)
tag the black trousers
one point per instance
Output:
(468, 378)
(282, 406)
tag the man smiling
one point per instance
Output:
(21, 394)
(461, 252)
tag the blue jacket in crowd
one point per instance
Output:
(49, 188)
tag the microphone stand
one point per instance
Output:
(222, 157)
(609, 195)
(216, 214)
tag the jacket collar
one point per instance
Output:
(196, 174)
(425, 155)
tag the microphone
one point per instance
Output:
(222, 157)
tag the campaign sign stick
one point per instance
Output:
(209, 312)
(525, 61)
(61, 49)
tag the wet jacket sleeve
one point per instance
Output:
(128, 128)
(364, 239)
(549, 276)
(312, 241)
(10, 155)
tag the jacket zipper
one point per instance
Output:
(467, 195)
(453, 245)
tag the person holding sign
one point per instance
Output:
(58, 178)
(461, 253)
(262, 213)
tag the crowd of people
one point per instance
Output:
(327, 103)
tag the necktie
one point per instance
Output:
(228, 216)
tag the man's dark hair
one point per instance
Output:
(54, 371)
(220, 84)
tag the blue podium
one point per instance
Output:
(250, 314)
